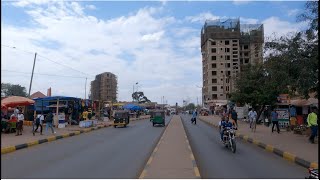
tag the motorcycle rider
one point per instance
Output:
(224, 126)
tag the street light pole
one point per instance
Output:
(34, 63)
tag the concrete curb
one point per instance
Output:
(10, 149)
(284, 154)
(145, 169)
(194, 163)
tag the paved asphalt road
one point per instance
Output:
(105, 153)
(249, 161)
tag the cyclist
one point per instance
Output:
(224, 126)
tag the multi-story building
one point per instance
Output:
(226, 46)
(104, 87)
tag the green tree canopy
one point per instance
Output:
(8, 89)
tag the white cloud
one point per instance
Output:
(275, 26)
(293, 12)
(240, 2)
(142, 35)
(153, 37)
(248, 20)
(24, 3)
(91, 7)
(202, 17)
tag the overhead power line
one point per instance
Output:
(43, 74)
(47, 59)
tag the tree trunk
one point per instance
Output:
(260, 112)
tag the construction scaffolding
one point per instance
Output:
(251, 33)
(105, 87)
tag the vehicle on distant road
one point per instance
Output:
(121, 118)
(157, 117)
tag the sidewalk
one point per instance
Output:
(172, 158)
(285, 141)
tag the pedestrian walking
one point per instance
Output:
(49, 120)
(20, 123)
(275, 121)
(234, 117)
(313, 124)
(266, 116)
(194, 117)
(39, 122)
(252, 116)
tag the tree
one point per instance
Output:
(294, 59)
(190, 106)
(139, 97)
(8, 89)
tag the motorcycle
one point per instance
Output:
(229, 139)
(313, 174)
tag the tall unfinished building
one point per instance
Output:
(225, 47)
(104, 87)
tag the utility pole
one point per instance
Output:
(34, 63)
(85, 90)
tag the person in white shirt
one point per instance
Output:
(20, 123)
(252, 116)
(16, 112)
(39, 122)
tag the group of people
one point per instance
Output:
(15, 119)
(40, 120)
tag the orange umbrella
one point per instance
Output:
(13, 101)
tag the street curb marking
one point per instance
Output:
(154, 152)
(10, 149)
(285, 155)
(194, 163)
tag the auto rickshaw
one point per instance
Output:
(157, 117)
(121, 118)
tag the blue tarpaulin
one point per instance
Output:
(132, 107)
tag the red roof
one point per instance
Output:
(37, 95)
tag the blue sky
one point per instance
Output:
(153, 43)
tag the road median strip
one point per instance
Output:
(154, 152)
(285, 155)
(10, 149)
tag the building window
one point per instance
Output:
(257, 55)
(246, 60)
(227, 57)
(227, 42)
(235, 40)
(241, 54)
(245, 47)
(213, 58)
(235, 49)
(228, 73)
(213, 43)
(214, 65)
(235, 52)
(228, 65)
(221, 86)
(235, 60)
(227, 80)
(221, 72)
(227, 88)
(221, 49)
(213, 50)
(214, 73)
(221, 94)
(214, 88)
(235, 56)
(221, 57)
(220, 41)
(234, 44)
(246, 54)
(214, 80)
(214, 96)
(227, 50)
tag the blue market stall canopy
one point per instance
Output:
(132, 107)
(43, 103)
